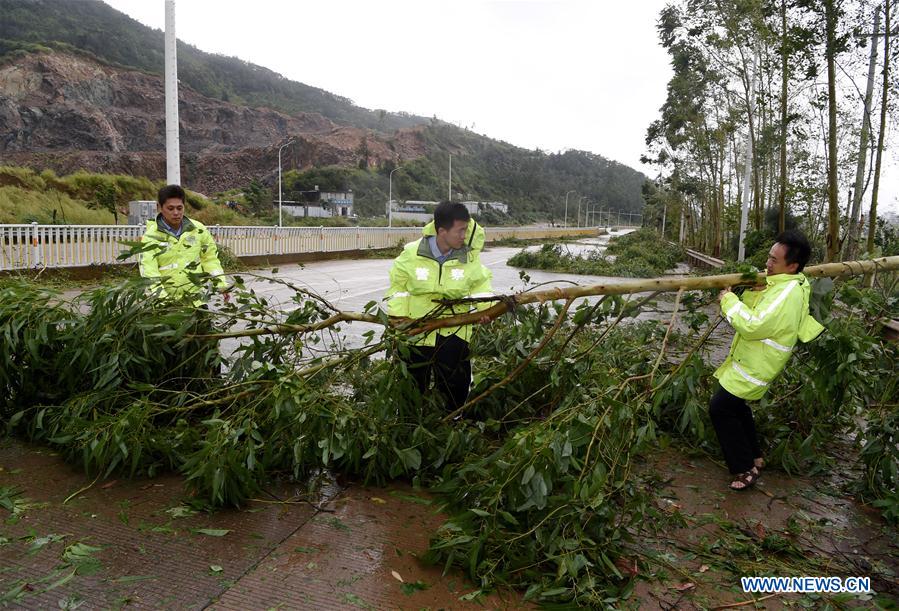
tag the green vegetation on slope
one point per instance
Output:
(532, 183)
(83, 198)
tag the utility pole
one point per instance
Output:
(747, 173)
(172, 147)
(664, 214)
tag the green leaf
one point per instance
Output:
(61, 581)
(181, 511)
(472, 595)
(355, 600)
(527, 475)
(410, 588)
(40, 542)
(211, 532)
(411, 458)
(80, 555)
(133, 578)
(16, 418)
(411, 498)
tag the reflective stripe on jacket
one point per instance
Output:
(768, 325)
(172, 259)
(417, 279)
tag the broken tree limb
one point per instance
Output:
(690, 283)
(667, 335)
(612, 287)
(290, 329)
(624, 287)
(514, 374)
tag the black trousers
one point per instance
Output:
(450, 361)
(735, 428)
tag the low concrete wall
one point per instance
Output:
(94, 272)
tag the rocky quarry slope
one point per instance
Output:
(67, 111)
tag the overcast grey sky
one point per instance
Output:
(555, 75)
(548, 74)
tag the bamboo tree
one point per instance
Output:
(884, 100)
(833, 211)
(852, 235)
(785, 77)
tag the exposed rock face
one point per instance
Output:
(68, 112)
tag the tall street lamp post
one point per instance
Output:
(280, 148)
(390, 197)
(566, 205)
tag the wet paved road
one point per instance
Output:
(150, 551)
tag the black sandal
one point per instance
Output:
(747, 479)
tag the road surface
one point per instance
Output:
(350, 285)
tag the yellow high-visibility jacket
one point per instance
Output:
(417, 279)
(171, 259)
(768, 326)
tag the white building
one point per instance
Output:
(321, 204)
(478, 207)
(140, 211)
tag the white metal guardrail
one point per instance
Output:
(35, 246)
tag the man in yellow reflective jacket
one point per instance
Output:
(444, 263)
(768, 323)
(174, 247)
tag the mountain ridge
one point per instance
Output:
(65, 107)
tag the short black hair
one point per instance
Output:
(447, 213)
(171, 192)
(798, 248)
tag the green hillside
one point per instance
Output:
(533, 183)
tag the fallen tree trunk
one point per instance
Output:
(613, 287)
(625, 287)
